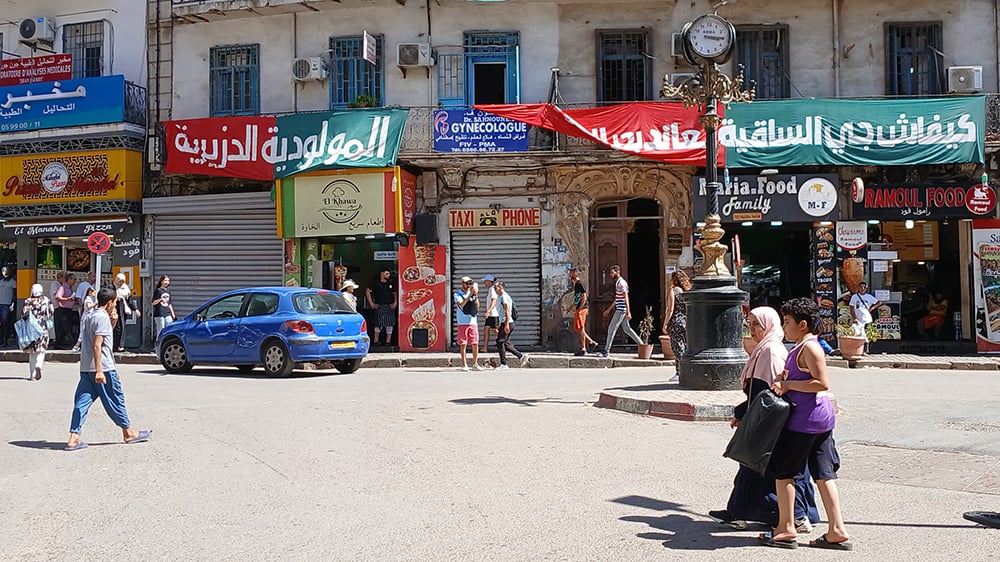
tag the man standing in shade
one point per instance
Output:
(580, 308)
(863, 305)
(8, 296)
(623, 312)
(492, 311)
(99, 374)
(66, 317)
(382, 298)
(466, 310)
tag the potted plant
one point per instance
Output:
(645, 329)
(851, 346)
(362, 101)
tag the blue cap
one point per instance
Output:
(488, 278)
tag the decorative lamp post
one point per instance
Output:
(715, 353)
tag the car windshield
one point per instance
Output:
(322, 303)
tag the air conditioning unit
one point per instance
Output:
(678, 78)
(414, 54)
(965, 79)
(311, 68)
(33, 30)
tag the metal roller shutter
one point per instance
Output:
(227, 243)
(513, 256)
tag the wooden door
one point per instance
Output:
(609, 247)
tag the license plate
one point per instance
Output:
(341, 345)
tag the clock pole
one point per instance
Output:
(715, 356)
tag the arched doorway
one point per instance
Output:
(627, 233)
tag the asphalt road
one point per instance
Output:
(424, 464)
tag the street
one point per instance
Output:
(430, 464)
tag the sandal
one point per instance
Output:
(767, 539)
(822, 542)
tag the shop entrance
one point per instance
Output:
(776, 261)
(626, 233)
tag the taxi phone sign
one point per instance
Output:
(98, 242)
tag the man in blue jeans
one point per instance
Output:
(99, 374)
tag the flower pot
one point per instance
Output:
(851, 347)
(645, 350)
(668, 352)
(749, 344)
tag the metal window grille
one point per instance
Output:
(451, 79)
(492, 48)
(234, 80)
(763, 52)
(350, 74)
(914, 64)
(623, 67)
(85, 41)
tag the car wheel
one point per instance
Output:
(274, 356)
(347, 366)
(173, 356)
(245, 368)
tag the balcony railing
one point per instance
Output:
(135, 104)
(992, 118)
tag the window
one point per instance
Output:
(228, 307)
(234, 80)
(322, 303)
(914, 65)
(763, 52)
(486, 71)
(85, 41)
(623, 67)
(262, 304)
(350, 74)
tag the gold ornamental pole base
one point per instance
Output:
(714, 264)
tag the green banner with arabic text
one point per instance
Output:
(883, 132)
(356, 138)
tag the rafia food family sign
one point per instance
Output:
(796, 197)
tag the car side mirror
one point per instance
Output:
(200, 318)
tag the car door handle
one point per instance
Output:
(230, 325)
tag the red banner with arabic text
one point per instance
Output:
(662, 131)
(31, 70)
(220, 146)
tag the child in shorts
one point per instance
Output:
(807, 438)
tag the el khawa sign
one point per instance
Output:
(31, 70)
(915, 201)
(797, 197)
(265, 148)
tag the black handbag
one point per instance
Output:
(755, 437)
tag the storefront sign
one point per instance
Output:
(886, 319)
(346, 203)
(423, 297)
(55, 230)
(661, 131)
(67, 103)
(31, 70)
(264, 148)
(871, 132)
(934, 201)
(71, 177)
(986, 273)
(461, 130)
(911, 244)
(803, 197)
(473, 219)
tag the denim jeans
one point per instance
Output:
(111, 396)
(618, 320)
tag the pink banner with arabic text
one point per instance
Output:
(662, 131)
(220, 146)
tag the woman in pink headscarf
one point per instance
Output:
(753, 497)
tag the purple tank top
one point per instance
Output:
(812, 413)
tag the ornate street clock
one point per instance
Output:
(708, 39)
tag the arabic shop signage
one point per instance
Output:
(921, 201)
(505, 218)
(896, 132)
(71, 177)
(472, 130)
(265, 148)
(797, 197)
(66, 103)
(50, 230)
(30, 70)
(345, 203)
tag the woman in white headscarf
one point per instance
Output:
(126, 308)
(753, 497)
(39, 307)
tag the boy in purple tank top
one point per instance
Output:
(808, 435)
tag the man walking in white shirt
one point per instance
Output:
(623, 312)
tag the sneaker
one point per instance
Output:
(803, 526)
(600, 354)
(722, 515)
(76, 349)
(523, 359)
(501, 367)
(580, 353)
(477, 367)
(465, 368)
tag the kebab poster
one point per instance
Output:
(986, 248)
(423, 297)
(824, 278)
(852, 253)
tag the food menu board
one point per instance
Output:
(986, 253)
(852, 255)
(824, 278)
(887, 321)
(423, 297)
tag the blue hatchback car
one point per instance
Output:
(274, 327)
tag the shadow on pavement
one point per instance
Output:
(531, 402)
(50, 445)
(234, 373)
(686, 533)
(14, 378)
(657, 386)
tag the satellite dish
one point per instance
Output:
(858, 190)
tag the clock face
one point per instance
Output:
(710, 37)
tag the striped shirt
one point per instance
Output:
(621, 287)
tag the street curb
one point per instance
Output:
(682, 411)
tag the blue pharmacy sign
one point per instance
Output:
(66, 103)
(471, 130)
